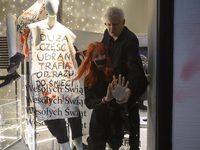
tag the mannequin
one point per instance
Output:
(50, 28)
(17, 33)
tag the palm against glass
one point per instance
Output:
(118, 89)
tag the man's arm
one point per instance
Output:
(134, 66)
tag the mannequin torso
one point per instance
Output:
(52, 57)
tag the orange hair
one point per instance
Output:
(87, 66)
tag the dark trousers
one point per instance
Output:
(101, 144)
(58, 128)
(105, 131)
(134, 127)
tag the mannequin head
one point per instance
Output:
(51, 7)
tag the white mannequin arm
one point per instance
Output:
(11, 34)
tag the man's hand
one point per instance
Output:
(126, 97)
(118, 89)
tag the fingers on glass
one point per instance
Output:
(114, 78)
(123, 81)
(126, 84)
(120, 79)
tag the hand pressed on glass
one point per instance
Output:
(109, 95)
(118, 89)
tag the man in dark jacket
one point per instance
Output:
(123, 47)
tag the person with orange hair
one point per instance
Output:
(108, 117)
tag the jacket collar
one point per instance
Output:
(121, 35)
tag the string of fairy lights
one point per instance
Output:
(84, 15)
(87, 15)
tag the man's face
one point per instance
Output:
(114, 26)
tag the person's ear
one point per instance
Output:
(124, 21)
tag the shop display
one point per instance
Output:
(51, 92)
(35, 13)
(17, 34)
(52, 69)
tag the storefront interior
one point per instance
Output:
(18, 124)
